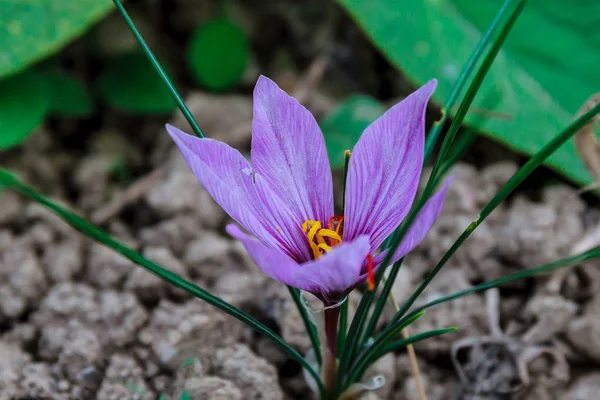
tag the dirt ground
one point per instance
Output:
(78, 321)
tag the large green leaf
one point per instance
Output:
(24, 102)
(343, 126)
(129, 83)
(547, 69)
(69, 95)
(218, 54)
(33, 29)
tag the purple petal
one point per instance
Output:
(335, 272)
(274, 263)
(288, 150)
(229, 179)
(384, 169)
(420, 227)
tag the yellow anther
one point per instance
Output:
(321, 240)
(325, 247)
(330, 234)
(313, 231)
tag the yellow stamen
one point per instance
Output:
(321, 240)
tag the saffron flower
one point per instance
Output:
(284, 198)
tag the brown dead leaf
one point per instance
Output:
(586, 143)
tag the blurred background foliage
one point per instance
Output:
(546, 70)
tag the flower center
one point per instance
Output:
(322, 240)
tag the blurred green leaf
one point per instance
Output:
(344, 124)
(24, 102)
(129, 83)
(69, 97)
(218, 54)
(185, 396)
(538, 82)
(33, 29)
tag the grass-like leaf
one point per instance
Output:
(356, 329)
(363, 359)
(591, 254)
(385, 292)
(507, 189)
(90, 230)
(160, 70)
(464, 76)
(342, 326)
(395, 346)
(470, 95)
(311, 330)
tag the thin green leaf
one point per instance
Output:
(161, 72)
(376, 346)
(463, 143)
(90, 230)
(352, 339)
(398, 235)
(395, 346)
(470, 95)
(507, 189)
(342, 327)
(128, 83)
(383, 298)
(311, 330)
(463, 78)
(544, 269)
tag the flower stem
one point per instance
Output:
(330, 355)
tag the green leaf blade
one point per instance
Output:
(343, 126)
(539, 80)
(69, 96)
(24, 102)
(218, 54)
(32, 30)
(129, 83)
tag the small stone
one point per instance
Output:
(240, 288)
(212, 388)
(148, 287)
(175, 233)
(80, 349)
(12, 362)
(256, 378)
(582, 332)
(106, 268)
(585, 388)
(124, 379)
(68, 300)
(122, 315)
(435, 382)
(25, 274)
(386, 367)
(35, 211)
(206, 255)
(177, 332)
(181, 192)
(468, 313)
(12, 205)
(63, 260)
(227, 117)
(552, 314)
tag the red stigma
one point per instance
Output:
(338, 226)
(370, 274)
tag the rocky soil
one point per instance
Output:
(78, 321)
